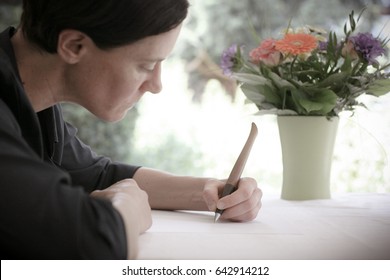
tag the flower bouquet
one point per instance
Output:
(307, 72)
(307, 77)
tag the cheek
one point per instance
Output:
(117, 85)
(125, 88)
(114, 82)
(123, 92)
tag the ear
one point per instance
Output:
(72, 45)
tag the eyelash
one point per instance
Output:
(149, 69)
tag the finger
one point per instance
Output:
(125, 183)
(244, 217)
(245, 211)
(97, 194)
(246, 187)
(118, 187)
(211, 193)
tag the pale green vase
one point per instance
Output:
(307, 150)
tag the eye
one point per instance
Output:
(149, 67)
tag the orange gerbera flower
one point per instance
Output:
(295, 44)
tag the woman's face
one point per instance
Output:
(110, 82)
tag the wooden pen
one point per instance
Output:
(235, 174)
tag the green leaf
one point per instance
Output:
(352, 21)
(251, 79)
(252, 93)
(334, 79)
(332, 47)
(311, 106)
(279, 82)
(261, 94)
(347, 65)
(316, 101)
(379, 87)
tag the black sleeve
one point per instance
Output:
(85, 167)
(43, 215)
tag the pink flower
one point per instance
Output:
(266, 53)
(349, 50)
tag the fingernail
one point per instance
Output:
(220, 205)
(211, 205)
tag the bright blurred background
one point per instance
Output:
(199, 122)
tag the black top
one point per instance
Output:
(46, 175)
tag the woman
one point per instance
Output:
(58, 198)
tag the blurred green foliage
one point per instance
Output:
(110, 139)
(10, 12)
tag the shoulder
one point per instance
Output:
(8, 79)
(7, 118)
(7, 73)
(8, 87)
(12, 141)
(5, 111)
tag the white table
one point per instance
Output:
(348, 226)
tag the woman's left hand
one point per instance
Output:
(241, 206)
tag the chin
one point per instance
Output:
(114, 116)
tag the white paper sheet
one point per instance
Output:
(355, 226)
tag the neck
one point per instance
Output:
(38, 72)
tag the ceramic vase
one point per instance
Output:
(307, 144)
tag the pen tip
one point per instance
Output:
(216, 217)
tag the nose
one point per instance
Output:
(154, 84)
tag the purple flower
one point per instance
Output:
(322, 46)
(368, 47)
(229, 60)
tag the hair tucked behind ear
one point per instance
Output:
(109, 23)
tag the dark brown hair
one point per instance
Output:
(109, 23)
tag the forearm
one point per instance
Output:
(170, 192)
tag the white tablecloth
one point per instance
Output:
(349, 226)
